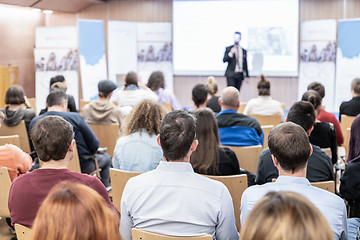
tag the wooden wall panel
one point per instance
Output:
(61, 19)
(352, 9)
(320, 9)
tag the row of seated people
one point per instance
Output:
(172, 200)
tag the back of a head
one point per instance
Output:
(212, 85)
(263, 86)
(56, 98)
(51, 137)
(156, 81)
(318, 87)
(206, 156)
(303, 114)
(355, 85)
(313, 97)
(199, 94)
(177, 132)
(105, 87)
(58, 78)
(145, 115)
(131, 79)
(230, 97)
(73, 211)
(289, 144)
(285, 216)
(14, 95)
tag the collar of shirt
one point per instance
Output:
(289, 180)
(227, 111)
(265, 97)
(175, 166)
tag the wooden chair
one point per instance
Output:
(236, 185)
(83, 103)
(266, 129)
(326, 185)
(167, 106)
(327, 151)
(268, 120)
(248, 157)
(20, 130)
(32, 102)
(12, 139)
(118, 181)
(241, 107)
(346, 122)
(5, 184)
(22, 232)
(347, 134)
(138, 234)
(107, 135)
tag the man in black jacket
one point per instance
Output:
(237, 63)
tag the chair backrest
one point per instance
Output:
(138, 234)
(83, 103)
(236, 185)
(167, 106)
(346, 122)
(248, 157)
(266, 129)
(326, 185)
(5, 184)
(347, 134)
(32, 102)
(268, 120)
(241, 107)
(20, 130)
(107, 135)
(327, 151)
(12, 139)
(119, 179)
(22, 232)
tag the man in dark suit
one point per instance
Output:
(237, 63)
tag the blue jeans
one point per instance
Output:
(353, 227)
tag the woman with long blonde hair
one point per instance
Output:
(73, 211)
(138, 150)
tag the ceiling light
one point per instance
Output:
(47, 11)
(36, 10)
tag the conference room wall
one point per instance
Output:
(283, 89)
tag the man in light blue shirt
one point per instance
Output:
(290, 149)
(172, 199)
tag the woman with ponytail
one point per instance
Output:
(264, 104)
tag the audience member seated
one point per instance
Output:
(14, 112)
(319, 166)
(209, 158)
(323, 134)
(178, 201)
(138, 150)
(290, 149)
(53, 139)
(59, 82)
(156, 83)
(73, 211)
(102, 111)
(236, 129)
(199, 96)
(285, 215)
(133, 92)
(350, 182)
(325, 116)
(86, 141)
(352, 107)
(264, 105)
(13, 158)
(213, 102)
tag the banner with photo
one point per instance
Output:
(92, 56)
(55, 54)
(347, 59)
(317, 58)
(154, 51)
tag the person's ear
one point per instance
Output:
(194, 145)
(71, 146)
(158, 139)
(110, 94)
(310, 130)
(311, 149)
(219, 101)
(275, 161)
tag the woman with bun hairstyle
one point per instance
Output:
(213, 102)
(264, 104)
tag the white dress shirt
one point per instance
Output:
(264, 105)
(331, 206)
(173, 200)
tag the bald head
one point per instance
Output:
(229, 99)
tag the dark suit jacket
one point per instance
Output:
(232, 62)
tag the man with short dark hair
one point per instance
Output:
(236, 129)
(102, 111)
(53, 139)
(290, 149)
(319, 167)
(352, 107)
(172, 199)
(86, 141)
(199, 96)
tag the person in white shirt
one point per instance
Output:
(264, 104)
(172, 199)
